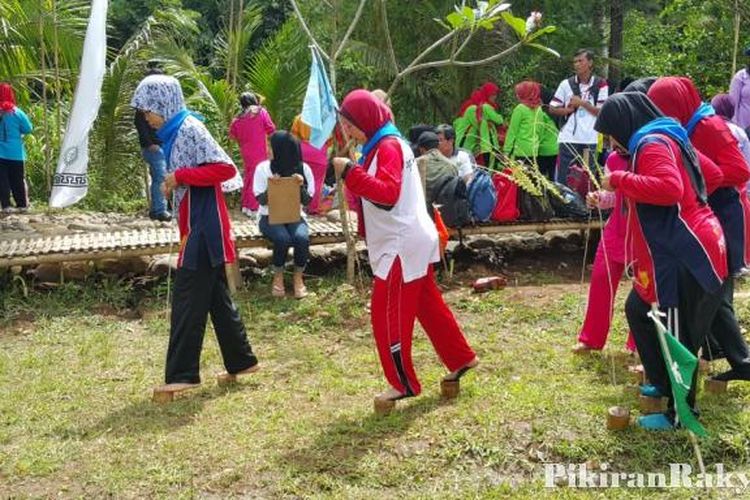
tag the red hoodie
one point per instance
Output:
(667, 226)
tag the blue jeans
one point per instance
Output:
(157, 166)
(284, 236)
(570, 153)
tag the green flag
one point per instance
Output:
(681, 366)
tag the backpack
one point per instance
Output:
(506, 208)
(596, 83)
(453, 202)
(482, 196)
(534, 208)
(571, 206)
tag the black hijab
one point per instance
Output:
(287, 155)
(640, 85)
(623, 114)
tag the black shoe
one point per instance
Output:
(163, 217)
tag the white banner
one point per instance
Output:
(71, 180)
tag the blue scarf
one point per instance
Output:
(389, 129)
(167, 134)
(667, 126)
(704, 110)
(672, 129)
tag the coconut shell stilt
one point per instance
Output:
(651, 405)
(166, 393)
(384, 406)
(715, 386)
(618, 418)
(225, 379)
(449, 389)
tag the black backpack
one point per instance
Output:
(453, 199)
(571, 206)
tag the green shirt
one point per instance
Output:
(531, 133)
(479, 135)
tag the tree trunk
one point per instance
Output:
(616, 18)
(598, 26)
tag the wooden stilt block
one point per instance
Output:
(162, 397)
(652, 405)
(618, 418)
(166, 393)
(226, 379)
(449, 389)
(637, 374)
(704, 366)
(715, 386)
(384, 406)
(632, 389)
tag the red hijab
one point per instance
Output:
(7, 98)
(676, 96)
(480, 96)
(529, 93)
(488, 90)
(365, 111)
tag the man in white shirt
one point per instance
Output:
(578, 98)
(463, 159)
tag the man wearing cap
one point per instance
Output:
(739, 93)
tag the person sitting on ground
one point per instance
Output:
(436, 166)
(447, 145)
(316, 158)
(14, 124)
(414, 132)
(251, 129)
(198, 166)
(154, 156)
(532, 135)
(286, 162)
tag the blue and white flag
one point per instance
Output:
(320, 106)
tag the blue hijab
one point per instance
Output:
(168, 132)
(388, 129)
(704, 111)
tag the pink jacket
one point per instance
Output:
(614, 231)
(250, 131)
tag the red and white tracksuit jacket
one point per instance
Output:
(402, 243)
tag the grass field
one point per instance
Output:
(76, 418)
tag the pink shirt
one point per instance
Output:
(250, 131)
(614, 231)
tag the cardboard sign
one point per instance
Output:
(283, 200)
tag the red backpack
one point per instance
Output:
(506, 208)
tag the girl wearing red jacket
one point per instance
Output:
(673, 241)
(197, 167)
(677, 97)
(402, 245)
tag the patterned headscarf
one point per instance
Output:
(160, 94)
(193, 145)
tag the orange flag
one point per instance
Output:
(442, 230)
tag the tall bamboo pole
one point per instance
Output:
(736, 37)
(45, 119)
(58, 82)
